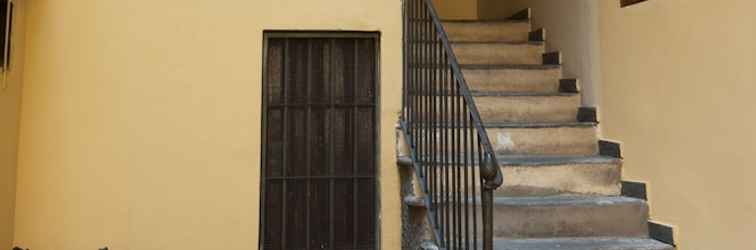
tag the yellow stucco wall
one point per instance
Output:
(679, 79)
(140, 122)
(457, 9)
(571, 28)
(10, 97)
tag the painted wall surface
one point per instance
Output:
(10, 97)
(141, 120)
(571, 27)
(678, 87)
(457, 9)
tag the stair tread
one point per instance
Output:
(565, 201)
(581, 244)
(511, 66)
(485, 20)
(531, 160)
(534, 43)
(521, 94)
(539, 124)
(539, 160)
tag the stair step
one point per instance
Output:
(488, 31)
(499, 53)
(528, 176)
(519, 108)
(560, 175)
(534, 139)
(570, 216)
(573, 139)
(539, 108)
(513, 78)
(581, 244)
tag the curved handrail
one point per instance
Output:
(492, 174)
(439, 112)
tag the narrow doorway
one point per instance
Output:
(320, 128)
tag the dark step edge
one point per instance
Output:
(587, 114)
(522, 15)
(552, 58)
(634, 189)
(569, 85)
(509, 66)
(538, 35)
(658, 231)
(662, 232)
(610, 148)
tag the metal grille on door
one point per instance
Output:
(319, 170)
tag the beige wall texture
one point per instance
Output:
(141, 120)
(10, 97)
(679, 79)
(571, 27)
(457, 9)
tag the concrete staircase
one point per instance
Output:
(561, 186)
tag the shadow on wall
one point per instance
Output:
(571, 28)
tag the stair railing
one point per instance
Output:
(449, 145)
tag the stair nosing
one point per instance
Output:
(532, 43)
(554, 161)
(510, 66)
(528, 201)
(475, 93)
(645, 242)
(485, 20)
(540, 125)
(537, 161)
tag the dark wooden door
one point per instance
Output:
(319, 171)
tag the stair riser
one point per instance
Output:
(543, 181)
(576, 141)
(578, 179)
(547, 221)
(516, 109)
(492, 53)
(566, 141)
(514, 80)
(487, 31)
(499, 80)
(523, 109)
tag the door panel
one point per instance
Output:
(319, 171)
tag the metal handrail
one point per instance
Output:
(447, 138)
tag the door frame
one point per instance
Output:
(270, 34)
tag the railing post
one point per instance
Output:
(487, 204)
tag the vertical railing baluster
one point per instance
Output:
(477, 181)
(436, 128)
(465, 176)
(446, 135)
(445, 141)
(455, 180)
